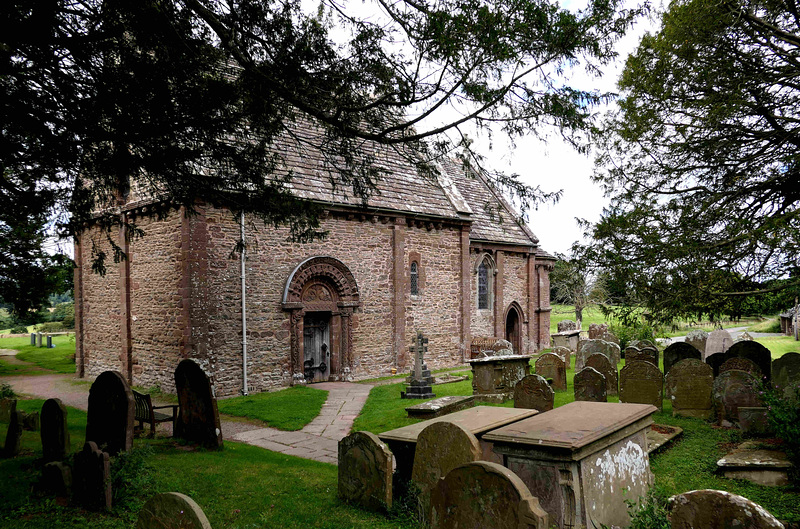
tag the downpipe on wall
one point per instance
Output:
(244, 306)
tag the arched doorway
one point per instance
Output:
(514, 328)
(320, 296)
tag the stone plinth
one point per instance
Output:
(763, 467)
(439, 407)
(478, 420)
(494, 378)
(577, 460)
(568, 339)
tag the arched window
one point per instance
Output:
(485, 274)
(414, 278)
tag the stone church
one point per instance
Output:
(446, 256)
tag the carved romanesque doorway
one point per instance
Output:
(320, 298)
(513, 334)
(316, 346)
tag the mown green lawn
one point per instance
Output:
(60, 359)
(288, 409)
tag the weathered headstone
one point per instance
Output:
(484, 494)
(698, 339)
(755, 352)
(753, 421)
(56, 479)
(565, 353)
(552, 366)
(715, 361)
(611, 337)
(717, 509)
(742, 364)
(91, 485)
(30, 421)
(652, 350)
(7, 407)
(33, 338)
(745, 337)
(641, 383)
(678, 351)
(786, 371)
(587, 348)
(365, 471)
(534, 393)
(602, 364)
(590, 385)
(109, 421)
(566, 325)
(419, 384)
(689, 385)
(597, 331)
(198, 419)
(494, 378)
(719, 341)
(172, 510)
(441, 447)
(54, 432)
(631, 350)
(38, 339)
(641, 344)
(633, 354)
(13, 435)
(733, 389)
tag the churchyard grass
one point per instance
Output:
(288, 409)
(779, 345)
(60, 359)
(240, 486)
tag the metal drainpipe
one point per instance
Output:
(244, 308)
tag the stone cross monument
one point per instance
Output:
(419, 386)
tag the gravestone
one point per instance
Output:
(533, 393)
(7, 407)
(741, 364)
(56, 479)
(611, 337)
(641, 344)
(612, 351)
(717, 509)
(484, 494)
(365, 471)
(109, 421)
(633, 354)
(419, 386)
(689, 385)
(13, 435)
(698, 340)
(564, 353)
(631, 350)
(745, 337)
(30, 421)
(754, 351)
(198, 419)
(441, 447)
(597, 331)
(172, 510)
(91, 486)
(678, 351)
(734, 389)
(38, 339)
(54, 432)
(494, 378)
(590, 385)
(715, 361)
(754, 422)
(641, 383)
(786, 371)
(652, 350)
(603, 365)
(33, 338)
(552, 366)
(566, 325)
(719, 341)
(587, 348)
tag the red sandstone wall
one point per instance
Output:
(515, 289)
(482, 323)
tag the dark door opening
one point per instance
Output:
(512, 330)
(316, 346)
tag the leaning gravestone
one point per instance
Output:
(741, 364)
(365, 471)
(689, 385)
(641, 383)
(754, 351)
(717, 509)
(198, 419)
(786, 371)
(91, 486)
(13, 435)
(484, 494)
(732, 390)
(698, 340)
(715, 361)
(678, 351)
(109, 421)
(602, 364)
(590, 385)
(719, 341)
(441, 447)
(533, 393)
(552, 366)
(54, 432)
(172, 510)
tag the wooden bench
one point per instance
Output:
(146, 412)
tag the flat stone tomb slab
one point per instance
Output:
(578, 458)
(439, 407)
(478, 420)
(763, 467)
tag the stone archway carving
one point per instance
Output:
(321, 284)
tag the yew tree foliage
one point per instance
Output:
(702, 159)
(186, 98)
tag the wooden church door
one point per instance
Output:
(316, 347)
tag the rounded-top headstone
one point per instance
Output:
(54, 432)
(786, 371)
(484, 494)
(172, 510)
(742, 364)
(602, 364)
(689, 384)
(678, 351)
(698, 339)
(533, 393)
(719, 341)
(441, 447)
(553, 366)
(755, 352)
(734, 389)
(641, 382)
(717, 509)
(109, 420)
(198, 419)
(590, 385)
(365, 471)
